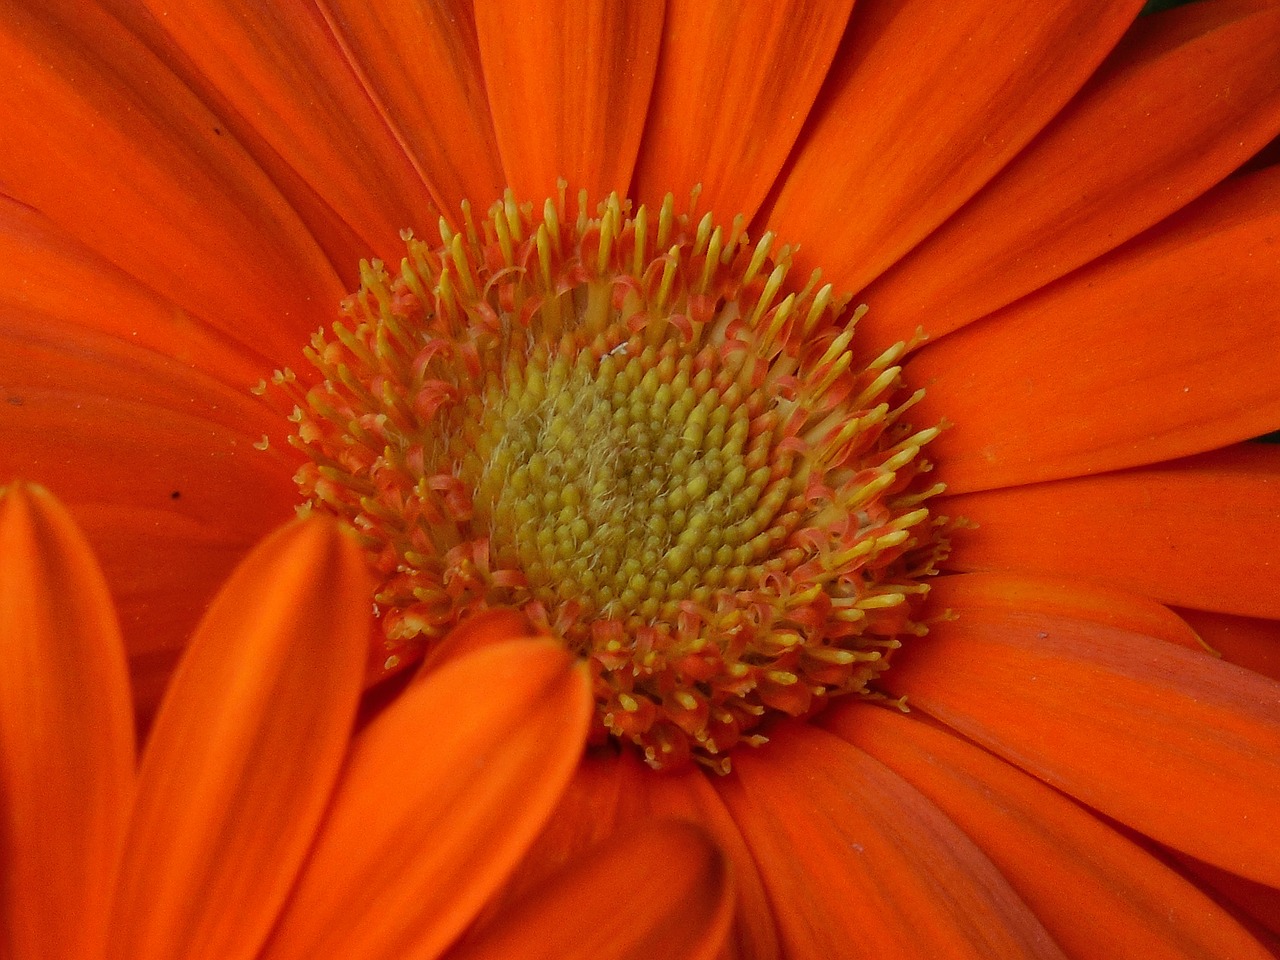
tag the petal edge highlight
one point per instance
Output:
(241, 762)
(66, 734)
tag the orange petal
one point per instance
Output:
(734, 85)
(288, 94)
(1115, 365)
(689, 795)
(153, 458)
(1175, 532)
(1169, 115)
(1099, 895)
(859, 864)
(50, 275)
(442, 795)
(661, 891)
(1176, 744)
(475, 633)
(1013, 592)
(242, 760)
(101, 138)
(925, 103)
(569, 83)
(66, 734)
(1259, 903)
(421, 64)
(605, 793)
(1252, 643)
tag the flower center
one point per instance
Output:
(644, 437)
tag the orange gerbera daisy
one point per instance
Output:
(686, 457)
(256, 825)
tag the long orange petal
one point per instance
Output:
(1012, 592)
(287, 92)
(153, 459)
(243, 757)
(1175, 532)
(858, 863)
(442, 795)
(605, 795)
(661, 891)
(51, 275)
(734, 85)
(1259, 903)
(1099, 894)
(1169, 115)
(99, 136)
(1176, 744)
(569, 84)
(421, 64)
(66, 735)
(1250, 642)
(926, 102)
(1116, 365)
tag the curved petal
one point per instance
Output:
(859, 864)
(475, 633)
(100, 137)
(926, 102)
(153, 458)
(1116, 365)
(286, 91)
(1174, 532)
(442, 795)
(1250, 642)
(243, 757)
(1012, 592)
(689, 795)
(420, 63)
(66, 734)
(733, 87)
(675, 902)
(48, 274)
(569, 84)
(1100, 895)
(1259, 903)
(1175, 744)
(603, 796)
(1168, 116)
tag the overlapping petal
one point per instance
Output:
(49, 274)
(675, 903)
(282, 84)
(454, 811)
(733, 88)
(245, 752)
(1151, 734)
(66, 734)
(1186, 98)
(1175, 532)
(153, 459)
(160, 188)
(420, 64)
(1099, 894)
(925, 103)
(1145, 334)
(1248, 641)
(578, 113)
(881, 871)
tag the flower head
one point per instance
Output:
(1062, 199)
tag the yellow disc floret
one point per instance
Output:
(636, 430)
